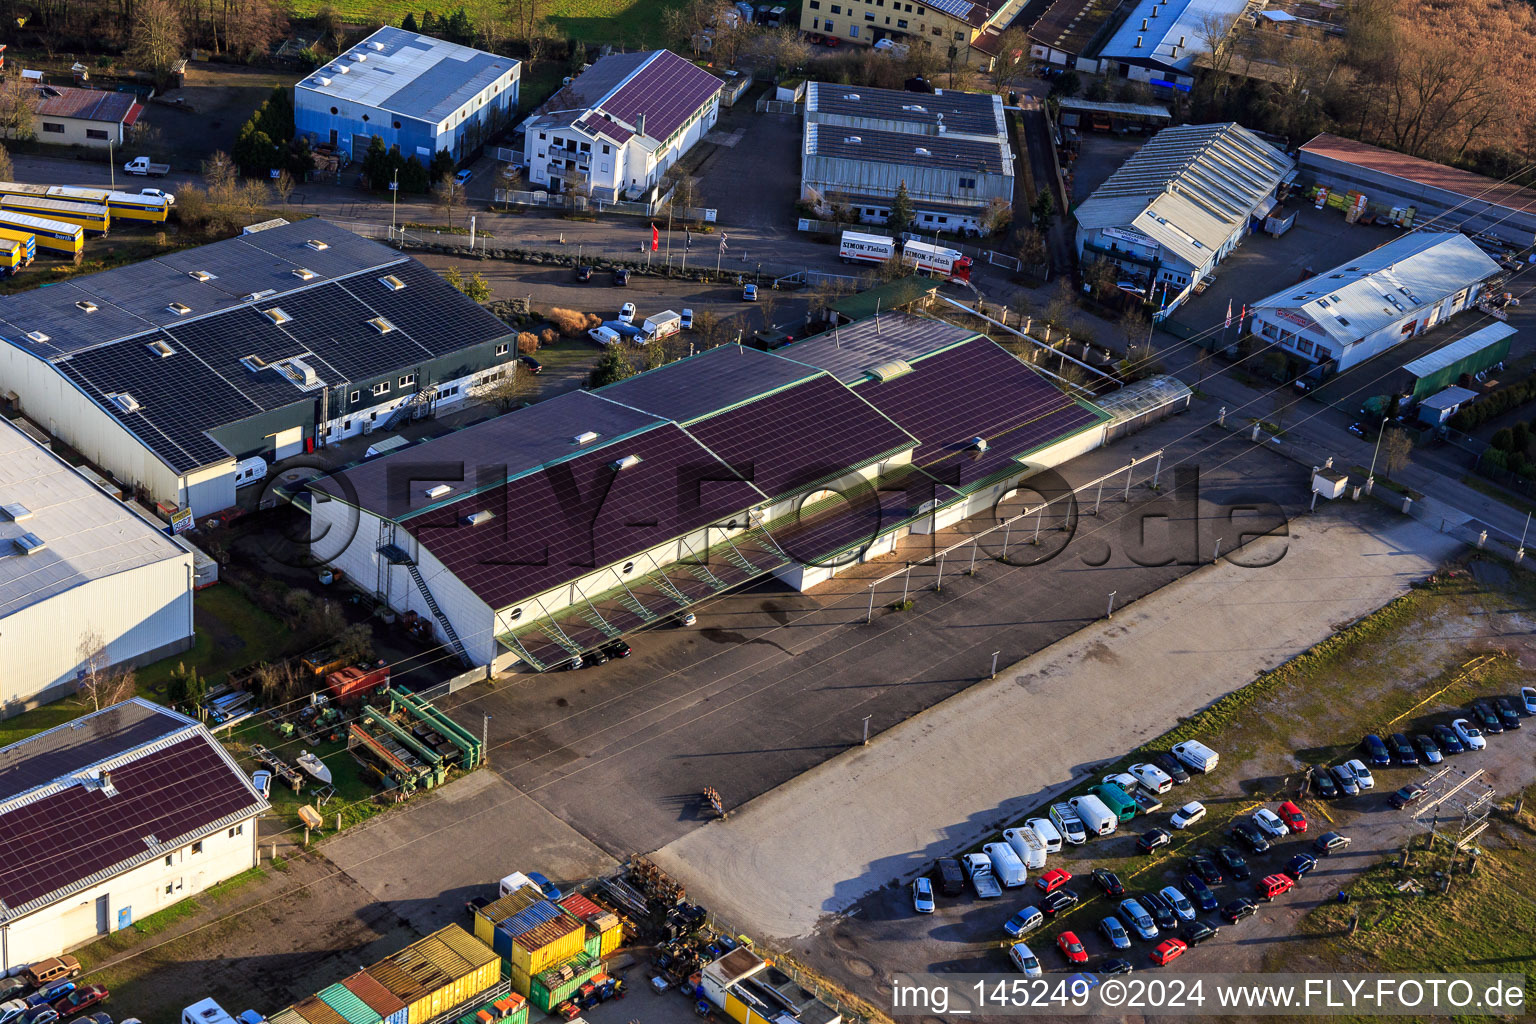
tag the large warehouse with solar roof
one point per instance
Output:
(551, 530)
(167, 372)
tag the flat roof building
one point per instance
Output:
(1346, 315)
(110, 818)
(169, 371)
(950, 149)
(1179, 205)
(413, 91)
(1159, 40)
(1449, 196)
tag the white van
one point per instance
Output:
(515, 881)
(1196, 755)
(1097, 818)
(206, 1011)
(1028, 845)
(1007, 867)
(1047, 833)
(1068, 824)
(604, 336)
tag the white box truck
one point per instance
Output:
(513, 882)
(206, 1011)
(1007, 868)
(662, 325)
(978, 868)
(1097, 818)
(857, 247)
(1196, 755)
(936, 259)
(1028, 845)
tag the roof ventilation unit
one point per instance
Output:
(30, 544)
(317, 245)
(476, 518)
(625, 463)
(303, 273)
(302, 373)
(889, 371)
(853, 96)
(853, 140)
(585, 437)
(276, 315)
(202, 275)
(437, 491)
(253, 296)
(160, 348)
(381, 325)
(38, 336)
(378, 46)
(922, 151)
(392, 282)
(125, 402)
(16, 512)
(978, 443)
(342, 69)
(323, 80)
(87, 305)
(357, 56)
(179, 308)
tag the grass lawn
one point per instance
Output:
(123, 246)
(633, 23)
(354, 793)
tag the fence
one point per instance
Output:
(786, 963)
(586, 204)
(816, 277)
(770, 106)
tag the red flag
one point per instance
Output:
(656, 239)
(1229, 313)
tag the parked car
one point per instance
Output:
(159, 193)
(1046, 832)
(1197, 932)
(547, 887)
(1429, 750)
(1448, 739)
(12, 987)
(1173, 766)
(55, 968)
(1508, 715)
(951, 876)
(1161, 910)
(261, 782)
(1233, 861)
(1180, 903)
(1330, 842)
(38, 1015)
(1137, 919)
(48, 993)
(1405, 796)
(1168, 951)
(1152, 839)
(1114, 965)
(1528, 698)
(1469, 735)
(462, 177)
(1238, 909)
(1324, 784)
(1204, 865)
(1025, 960)
(475, 903)
(1272, 887)
(80, 998)
(1072, 948)
(1114, 932)
(1024, 922)
(621, 277)
(1486, 717)
(922, 895)
(1187, 815)
(1363, 777)
(1269, 823)
(1108, 882)
(1200, 894)
(583, 274)
(1375, 750)
(1152, 777)
(617, 649)
(1054, 903)
(596, 657)
(1292, 816)
(1299, 865)
(685, 320)
(1125, 780)
(627, 313)
(749, 293)
(1053, 879)
(1344, 775)
(1245, 833)
(11, 1009)
(1402, 749)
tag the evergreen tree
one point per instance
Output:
(428, 23)
(1044, 210)
(578, 56)
(409, 24)
(442, 165)
(376, 165)
(901, 210)
(300, 160)
(613, 366)
(414, 177)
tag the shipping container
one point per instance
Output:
(318, 1011)
(546, 944)
(443, 977)
(518, 977)
(487, 918)
(50, 235)
(597, 918)
(339, 998)
(90, 216)
(555, 985)
(378, 998)
(287, 1016)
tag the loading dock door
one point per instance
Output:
(288, 442)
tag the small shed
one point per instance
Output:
(1442, 405)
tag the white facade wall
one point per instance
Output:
(144, 611)
(1314, 344)
(358, 421)
(140, 891)
(611, 167)
(76, 131)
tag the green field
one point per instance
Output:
(632, 23)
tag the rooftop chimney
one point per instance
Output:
(639, 124)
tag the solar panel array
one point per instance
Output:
(49, 843)
(559, 524)
(596, 124)
(706, 383)
(667, 91)
(964, 112)
(944, 151)
(940, 403)
(800, 436)
(43, 757)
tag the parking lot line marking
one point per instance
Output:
(1321, 810)
(1472, 665)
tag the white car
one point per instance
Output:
(1363, 777)
(261, 781)
(1047, 832)
(1188, 814)
(687, 321)
(1125, 780)
(1470, 735)
(159, 193)
(1152, 777)
(1024, 960)
(627, 312)
(922, 895)
(1181, 904)
(1528, 697)
(1269, 823)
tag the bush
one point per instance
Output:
(548, 336)
(570, 323)
(1496, 458)
(527, 342)
(1503, 440)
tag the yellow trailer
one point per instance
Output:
(91, 216)
(53, 235)
(25, 239)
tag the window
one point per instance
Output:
(542, 136)
(1303, 346)
(853, 31)
(397, 126)
(921, 12)
(501, 349)
(943, 219)
(167, 864)
(381, 388)
(96, 133)
(408, 380)
(869, 15)
(605, 145)
(197, 847)
(365, 117)
(51, 126)
(168, 888)
(937, 30)
(967, 182)
(333, 110)
(901, 22)
(959, 37)
(356, 395)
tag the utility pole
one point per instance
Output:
(394, 204)
(866, 729)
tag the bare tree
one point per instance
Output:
(156, 38)
(1012, 57)
(509, 390)
(1032, 249)
(99, 685)
(789, 51)
(1396, 447)
(449, 196)
(997, 216)
(18, 109)
(283, 186)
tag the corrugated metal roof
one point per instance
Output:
(1176, 31)
(474, 952)
(1459, 349)
(346, 1002)
(400, 983)
(582, 907)
(318, 1011)
(1189, 188)
(541, 935)
(378, 998)
(1424, 172)
(84, 104)
(406, 73)
(1448, 398)
(1142, 397)
(287, 1015)
(531, 917)
(1385, 285)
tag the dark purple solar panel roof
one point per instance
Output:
(596, 123)
(667, 91)
(42, 758)
(561, 523)
(47, 844)
(975, 390)
(801, 435)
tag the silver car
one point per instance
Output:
(1114, 931)
(1348, 785)
(1137, 919)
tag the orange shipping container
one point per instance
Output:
(315, 1010)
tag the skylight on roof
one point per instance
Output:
(30, 544)
(437, 491)
(253, 363)
(303, 273)
(124, 401)
(392, 282)
(160, 348)
(16, 512)
(476, 518)
(179, 308)
(276, 315)
(87, 305)
(626, 462)
(38, 336)
(317, 245)
(381, 325)
(202, 275)
(585, 437)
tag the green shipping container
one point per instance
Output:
(594, 943)
(1472, 354)
(554, 986)
(341, 999)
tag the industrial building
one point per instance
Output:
(82, 577)
(1483, 349)
(111, 817)
(1179, 205)
(961, 31)
(949, 148)
(616, 128)
(1159, 39)
(1346, 315)
(422, 94)
(557, 527)
(1452, 198)
(69, 116)
(170, 372)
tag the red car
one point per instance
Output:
(1071, 948)
(1271, 886)
(80, 998)
(831, 42)
(1053, 879)
(1292, 816)
(1167, 951)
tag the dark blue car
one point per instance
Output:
(1199, 893)
(548, 888)
(1376, 751)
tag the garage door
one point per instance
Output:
(288, 442)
